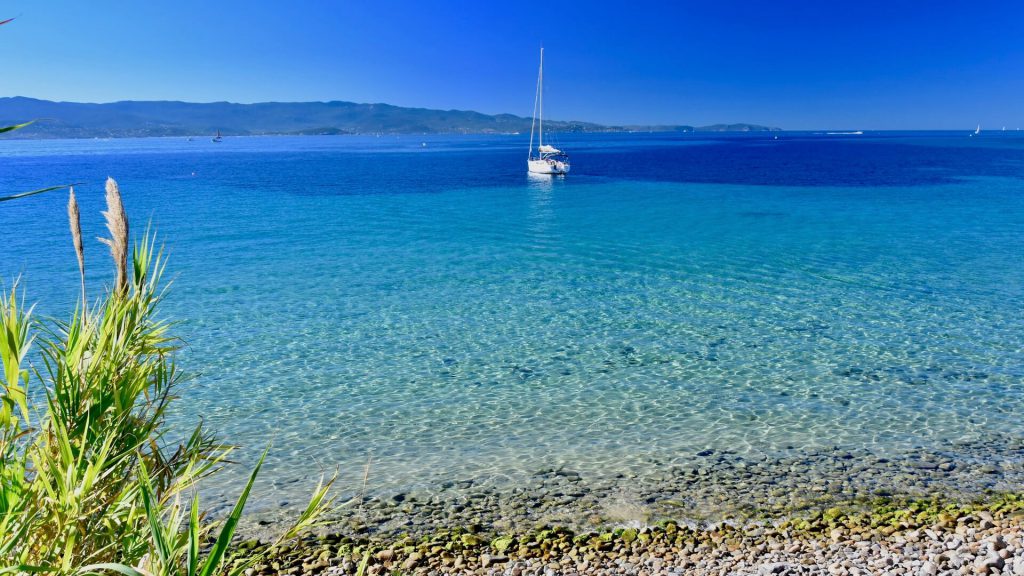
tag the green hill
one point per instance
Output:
(169, 118)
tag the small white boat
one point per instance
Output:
(217, 138)
(548, 160)
(977, 130)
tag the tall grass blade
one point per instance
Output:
(15, 342)
(33, 192)
(26, 569)
(163, 548)
(361, 571)
(220, 547)
(317, 508)
(16, 126)
(193, 537)
(111, 567)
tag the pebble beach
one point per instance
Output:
(926, 538)
(722, 513)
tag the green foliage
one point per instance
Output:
(89, 480)
(33, 192)
(15, 127)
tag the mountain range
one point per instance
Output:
(170, 118)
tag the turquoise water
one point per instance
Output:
(434, 306)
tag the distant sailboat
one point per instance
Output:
(549, 160)
(217, 138)
(977, 130)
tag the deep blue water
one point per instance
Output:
(436, 306)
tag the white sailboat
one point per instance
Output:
(977, 130)
(548, 160)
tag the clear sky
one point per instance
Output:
(863, 64)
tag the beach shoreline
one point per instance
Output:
(909, 537)
(700, 489)
(835, 511)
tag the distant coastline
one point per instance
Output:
(128, 119)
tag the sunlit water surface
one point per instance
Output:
(422, 299)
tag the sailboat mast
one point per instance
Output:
(533, 122)
(541, 95)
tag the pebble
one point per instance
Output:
(487, 560)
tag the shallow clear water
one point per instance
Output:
(436, 306)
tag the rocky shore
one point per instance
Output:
(832, 511)
(926, 537)
(705, 488)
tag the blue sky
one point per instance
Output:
(795, 64)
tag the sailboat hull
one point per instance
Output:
(548, 166)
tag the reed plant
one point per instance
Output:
(91, 480)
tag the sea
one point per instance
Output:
(769, 312)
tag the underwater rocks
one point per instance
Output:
(918, 537)
(837, 511)
(705, 488)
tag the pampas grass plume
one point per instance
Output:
(117, 225)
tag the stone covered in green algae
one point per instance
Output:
(502, 543)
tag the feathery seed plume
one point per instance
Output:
(74, 220)
(117, 224)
